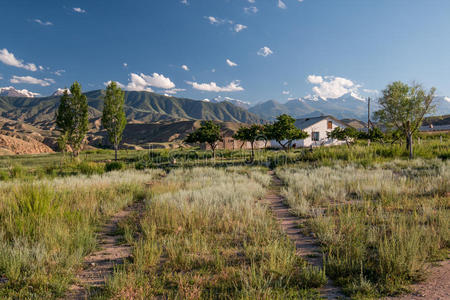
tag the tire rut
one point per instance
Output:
(307, 247)
(99, 265)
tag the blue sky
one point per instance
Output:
(252, 50)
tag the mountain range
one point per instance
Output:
(347, 106)
(140, 107)
(144, 107)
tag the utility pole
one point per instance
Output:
(368, 120)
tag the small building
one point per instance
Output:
(318, 129)
(230, 143)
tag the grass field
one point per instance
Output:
(204, 233)
(379, 226)
(48, 226)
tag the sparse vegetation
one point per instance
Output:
(379, 216)
(203, 235)
(48, 226)
(378, 226)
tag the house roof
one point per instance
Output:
(307, 122)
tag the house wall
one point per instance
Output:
(232, 144)
(322, 128)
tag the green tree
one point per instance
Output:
(208, 133)
(72, 119)
(403, 108)
(348, 134)
(113, 118)
(375, 134)
(250, 134)
(284, 131)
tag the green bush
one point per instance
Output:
(4, 175)
(114, 166)
(16, 172)
(90, 168)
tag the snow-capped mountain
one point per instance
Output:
(60, 92)
(237, 102)
(11, 91)
(347, 106)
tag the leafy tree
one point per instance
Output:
(348, 134)
(374, 134)
(72, 118)
(284, 131)
(403, 108)
(250, 134)
(208, 133)
(114, 119)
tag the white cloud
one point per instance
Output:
(43, 23)
(251, 9)
(174, 91)
(79, 10)
(447, 99)
(252, 1)
(285, 92)
(231, 64)
(213, 70)
(281, 4)
(1, 76)
(265, 51)
(137, 83)
(184, 67)
(125, 64)
(32, 80)
(214, 20)
(185, 2)
(118, 84)
(59, 72)
(8, 58)
(239, 27)
(315, 79)
(144, 82)
(331, 87)
(158, 81)
(370, 91)
(234, 86)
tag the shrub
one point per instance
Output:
(114, 166)
(90, 168)
(16, 171)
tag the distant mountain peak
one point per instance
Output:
(237, 102)
(11, 91)
(60, 92)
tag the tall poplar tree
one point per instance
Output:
(114, 119)
(72, 119)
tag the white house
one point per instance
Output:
(318, 129)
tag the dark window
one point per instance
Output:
(315, 136)
(330, 125)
